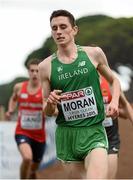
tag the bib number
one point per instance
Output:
(80, 104)
(31, 119)
(108, 122)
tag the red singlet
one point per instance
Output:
(30, 117)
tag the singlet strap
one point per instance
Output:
(79, 48)
(54, 55)
(24, 86)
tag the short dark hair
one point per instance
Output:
(33, 61)
(65, 13)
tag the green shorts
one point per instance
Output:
(74, 143)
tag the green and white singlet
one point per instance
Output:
(79, 81)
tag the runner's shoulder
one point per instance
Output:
(17, 87)
(45, 63)
(92, 50)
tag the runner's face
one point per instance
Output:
(33, 72)
(62, 30)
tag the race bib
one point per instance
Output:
(108, 122)
(79, 104)
(31, 119)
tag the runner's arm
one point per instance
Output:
(104, 70)
(12, 102)
(49, 107)
(126, 110)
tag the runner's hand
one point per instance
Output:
(112, 110)
(55, 97)
(8, 115)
